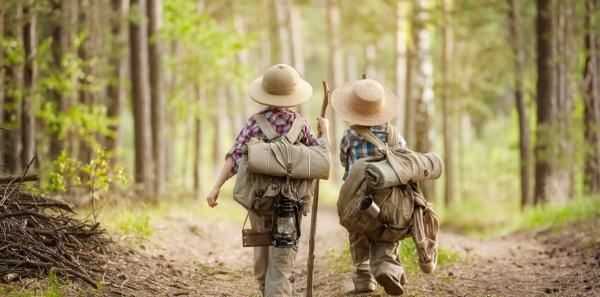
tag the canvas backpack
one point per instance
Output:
(258, 192)
(404, 211)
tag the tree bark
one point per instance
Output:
(12, 97)
(421, 88)
(118, 62)
(400, 41)
(89, 21)
(296, 45)
(591, 82)
(552, 150)
(140, 91)
(219, 123)
(198, 141)
(524, 142)
(334, 74)
(447, 110)
(29, 77)
(157, 94)
(370, 52)
(2, 92)
(280, 39)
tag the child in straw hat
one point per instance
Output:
(366, 103)
(279, 89)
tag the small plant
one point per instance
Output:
(137, 224)
(97, 175)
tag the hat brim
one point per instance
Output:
(302, 93)
(339, 102)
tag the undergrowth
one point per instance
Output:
(340, 260)
(481, 220)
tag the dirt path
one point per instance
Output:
(192, 257)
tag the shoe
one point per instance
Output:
(365, 287)
(391, 284)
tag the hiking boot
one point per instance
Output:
(391, 281)
(363, 279)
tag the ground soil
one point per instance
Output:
(189, 256)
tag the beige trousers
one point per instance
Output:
(382, 259)
(272, 266)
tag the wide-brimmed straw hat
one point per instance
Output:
(280, 86)
(364, 102)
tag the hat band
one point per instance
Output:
(365, 107)
(279, 90)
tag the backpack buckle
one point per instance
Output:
(289, 169)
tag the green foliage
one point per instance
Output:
(52, 287)
(134, 223)
(495, 220)
(410, 258)
(206, 55)
(97, 175)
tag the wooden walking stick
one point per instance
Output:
(315, 208)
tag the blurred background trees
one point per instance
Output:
(508, 91)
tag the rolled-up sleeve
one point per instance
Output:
(241, 140)
(308, 137)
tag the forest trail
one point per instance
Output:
(190, 256)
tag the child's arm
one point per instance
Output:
(223, 177)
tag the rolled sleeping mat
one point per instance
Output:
(412, 167)
(284, 159)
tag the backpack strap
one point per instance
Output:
(368, 135)
(392, 136)
(295, 130)
(265, 126)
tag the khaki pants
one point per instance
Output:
(272, 266)
(382, 259)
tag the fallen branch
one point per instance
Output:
(17, 179)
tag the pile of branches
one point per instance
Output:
(39, 234)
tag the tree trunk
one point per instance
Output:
(157, 94)
(447, 110)
(280, 40)
(296, 46)
(370, 57)
(12, 108)
(219, 122)
(400, 55)
(118, 62)
(198, 135)
(266, 36)
(334, 75)
(29, 77)
(524, 147)
(422, 85)
(89, 20)
(2, 87)
(591, 80)
(554, 98)
(140, 91)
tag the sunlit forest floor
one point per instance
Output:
(186, 249)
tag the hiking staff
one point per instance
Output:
(315, 208)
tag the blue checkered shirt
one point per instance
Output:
(353, 147)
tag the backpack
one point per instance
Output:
(257, 192)
(404, 211)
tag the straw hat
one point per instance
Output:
(280, 86)
(364, 102)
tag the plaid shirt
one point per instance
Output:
(353, 147)
(282, 120)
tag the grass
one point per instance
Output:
(51, 288)
(340, 260)
(481, 220)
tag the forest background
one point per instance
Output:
(140, 100)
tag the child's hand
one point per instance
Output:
(212, 198)
(323, 125)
